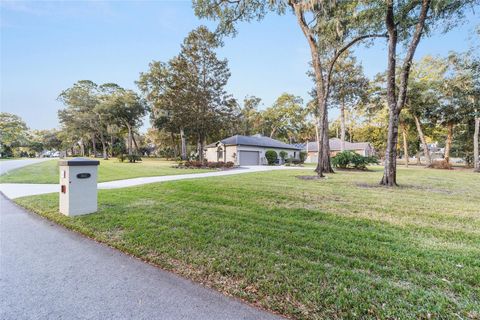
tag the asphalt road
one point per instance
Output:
(48, 272)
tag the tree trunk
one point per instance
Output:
(390, 169)
(327, 166)
(317, 135)
(183, 144)
(82, 147)
(342, 127)
(426, 152)
(129, 141)
(350, 130)
(135, 143)
(94, 142)
(200, 146)
(104, 146)
(419, 162)
(397, 102)
(476, 158)
(405, 143)
(319, 83)
(448, 142)
(174, 144)
(111, 146)
(272, 133)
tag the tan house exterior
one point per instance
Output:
(362, 148)
(248, 150)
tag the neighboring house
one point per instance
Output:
(248, 150)
(435, 151)
(362, 148)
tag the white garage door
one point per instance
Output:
(249, 158)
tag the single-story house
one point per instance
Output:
(248, 150)
(362, 148)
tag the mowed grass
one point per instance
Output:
(112, 169)
(319, 249)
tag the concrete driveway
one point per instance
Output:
(16, 190)
(49, 272)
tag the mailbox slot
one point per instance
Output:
(83, 175)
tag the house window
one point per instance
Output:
(219, 154)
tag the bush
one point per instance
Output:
(211, 165)
(283, 155)
(442, 164)
(6, 151)
(132, 158)
(293, 161)
(271, 156)
(350, 159)
(214, 165)
(194, 164)
(303, 156)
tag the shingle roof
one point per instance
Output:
(336, 144)
(255, 140)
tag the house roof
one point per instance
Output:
(336, 144)
(255, 140)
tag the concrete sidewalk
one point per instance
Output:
(16, 190)
(9, 165)
(48, 272)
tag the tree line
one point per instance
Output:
(331, 28)
(188, 103)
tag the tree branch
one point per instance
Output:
(402, 95)
(311, 40)
(348, 45)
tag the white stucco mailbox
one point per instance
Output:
(78, 186)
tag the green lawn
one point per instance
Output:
(47, 172)
(336, 248)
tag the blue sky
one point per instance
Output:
(47, 46)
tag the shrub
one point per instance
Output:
(193, 164)
(350, 159)
(271, 156)
(132, 158)
(283, 155)
(442, 164)
(303, 156)
(211, 165)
